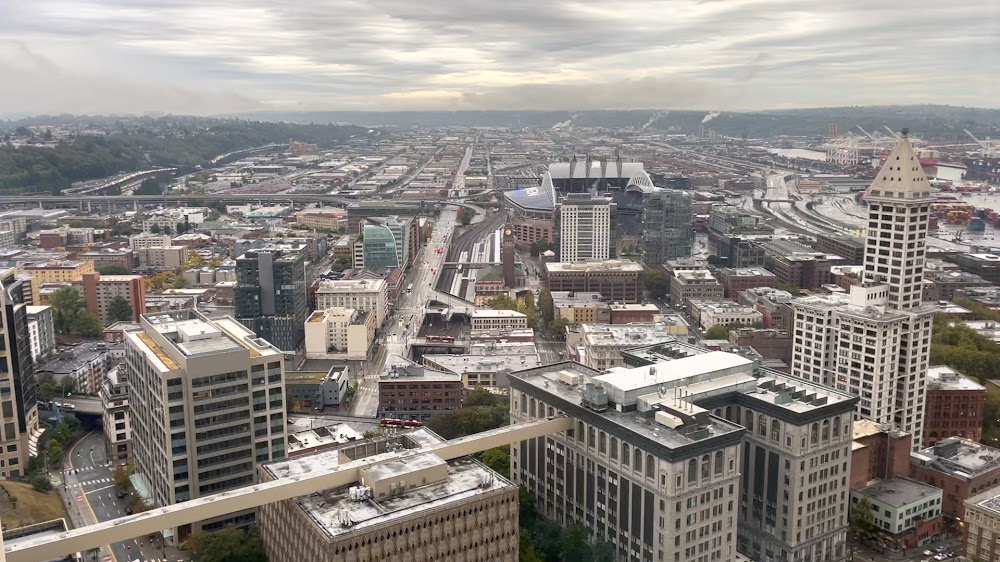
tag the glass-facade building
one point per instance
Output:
(270, 296)
(380, 247)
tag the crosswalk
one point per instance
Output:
(95, 481)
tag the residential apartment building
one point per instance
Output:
(666, 226)
(697, 284)
(367, 295)
(41, 332)
(876, 342)
(62, 271)
(100, 290)
(689, 459)
(83, 367)
(18, 382)
(339, 333)
(954, 408)
(116, 417)
(410, 506)
(502, 320)
(615, 280)
(148, 240)
(207, 399)
(960, 467)
(906, 512)
(105, 257)
(410, 391)
(586, 228)
(163, 257)
(270, 296)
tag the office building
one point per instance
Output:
(666, 221)
(878, 453)
(600, 346)
(410, 391)
(111, 257)
(388, 242)
(533, 212)
(736, 280)
(147, 240)
(773, 305)
(954, 408)
(615, 280)
(622, 313)
(580, 308)
(851, 248)
(414, 506)
(960, 467)
(725, 313)
(728, 220)
(270, 296)
(498, 320)
(586, 228)
(986, 266)
(665, 458)
(798, 266)
(41, 332)
(315, 390)
(207, 399)
(906, 512)
(697, 284)
(367, 295)
(322, 219)
(339, 333)
(943, 285)
(876, 342)
(18, 382)
(486, 365)
(58, 271)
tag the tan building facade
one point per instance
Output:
(339, 333)
(167, 257)
(55, 272)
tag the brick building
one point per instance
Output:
(694, 285)
(960, 467)
(99, 290)
(954, 406)
(877, 454)
(736, 280)
(770, 344)
(633, 313)
(615, 280)
(413, 392)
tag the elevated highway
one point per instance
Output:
(84, 539)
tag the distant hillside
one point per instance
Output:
(932, 121)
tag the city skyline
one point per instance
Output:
(184, 57)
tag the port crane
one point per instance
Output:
(991, 148)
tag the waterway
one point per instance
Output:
(799, 153)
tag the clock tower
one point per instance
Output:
(507, 255)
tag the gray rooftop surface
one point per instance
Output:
(899, 492)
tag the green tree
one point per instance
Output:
(603, 552)
(862, 520)
(113, 270)
(717, 332)
(479, 396)
(119, 310)
(120, 475)
(229, 544)
(54, 451)
(291, 402)
(149, 186)
(558, 327)
(466, 217)
(87, 324)
(574, 543)
(371, 434)
(497, 458)
(155, 229)
(67, 303)
(655, 281)
(41, 483)
(546, 307)
(503, 302)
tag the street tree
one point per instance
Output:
(67, 303)
(546, 307)
(119, 310)
(655, 281)
(87, 324)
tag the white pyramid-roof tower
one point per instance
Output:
(901, 177)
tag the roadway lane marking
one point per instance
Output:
(99, 489)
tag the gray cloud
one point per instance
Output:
(227, 55)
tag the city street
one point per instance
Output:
(90, 494)
(408, 315)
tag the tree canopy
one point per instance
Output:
(229, 544)
(70, 314)
(656, 282)
(113, 270)
(119, 310)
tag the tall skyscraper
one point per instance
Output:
(666, 226)
(270, 295)
(586, 228)
(18, 386)
(876, 342)
(207, 400)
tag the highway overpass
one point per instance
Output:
(91, 537)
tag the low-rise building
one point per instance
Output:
(982, 519)
(486, 365)
(600, 346)
(323, 438)
(906, 513)
(774, 306)
(320, 389)
(736, 280)
(412, 505)
(615, 280)
(622, 313)
(878, 453)
(726, 313)
(942, 285)
(100, 291)
(694, 284)
(954, 406)
(503, 320)
(773, 345)
(325, 219)
(339, 333)
(41, 332)
(960, 467)
(580, 308)
(987, 266)
(111, 257)
(84, 365)
(410, 391)
(166, 257)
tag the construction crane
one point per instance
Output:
(991, 148)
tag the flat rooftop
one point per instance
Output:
(635, 334)
(959, 457)
(942, 377)
(494, 363)
(899, 492)
(636, 378)
(593, 266)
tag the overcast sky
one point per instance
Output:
(213, 56)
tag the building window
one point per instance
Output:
(836, 427)
(814, 434)
(749, 421)
(692, 471)
(719, 461)
(775, 430)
